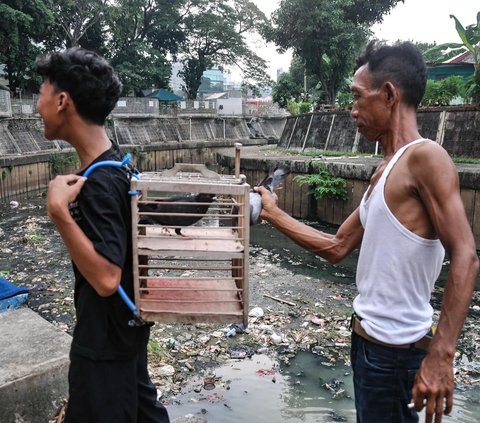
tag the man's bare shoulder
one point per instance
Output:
(432, 169)
(430, 155)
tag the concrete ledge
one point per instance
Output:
(34, 367)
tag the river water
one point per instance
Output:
(307, 389)
(262, 389)
(304, 391)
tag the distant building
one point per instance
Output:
(176, 82)
(460, 65)
(280, 71)
(212, 82)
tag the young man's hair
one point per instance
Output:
(402, 64)
(87, 77)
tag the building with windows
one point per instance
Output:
(212, 82)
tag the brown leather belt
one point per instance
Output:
(358, 329)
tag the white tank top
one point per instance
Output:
(396, 271)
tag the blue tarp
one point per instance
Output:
(11, 296)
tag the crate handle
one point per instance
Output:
(183, 167)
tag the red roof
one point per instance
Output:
(466, 57)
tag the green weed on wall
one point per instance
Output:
(324, 184)
(62, 163)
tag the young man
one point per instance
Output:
(410, 213)
(108, 378)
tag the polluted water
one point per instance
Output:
(291, 365)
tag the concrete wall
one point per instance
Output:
(22, 174)
(456, 128)
(23, 136)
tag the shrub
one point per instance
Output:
(345, 100)
(442, 92)
(299, 107)
(324, 185)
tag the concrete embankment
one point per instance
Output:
(456, 128)
(33, 374)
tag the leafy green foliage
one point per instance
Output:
(345, 100)
(313, 152)
(296, 84)
(61, 163)
(472, 88)
(143, 32)
(73, 18)
(442, 92)
(22, 28)
(285, 90)
(215, 33)
(326, 34)
(156, 349)
(299, 107)
(324, 185)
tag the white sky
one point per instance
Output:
(414, 20)
(427, 20)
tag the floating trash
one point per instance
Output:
(241, 352)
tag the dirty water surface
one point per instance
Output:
(290, 365)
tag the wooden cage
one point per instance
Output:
(190, 245)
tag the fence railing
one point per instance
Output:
(131, 106)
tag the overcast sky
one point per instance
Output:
(415, 20)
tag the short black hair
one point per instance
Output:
(87, 77)
(402, 64)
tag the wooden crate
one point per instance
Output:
(201, 273)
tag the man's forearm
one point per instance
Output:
(330, 247)
(456, 300)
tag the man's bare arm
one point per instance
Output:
(438, 187)
(331, 247)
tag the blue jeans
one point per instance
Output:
(383, 378)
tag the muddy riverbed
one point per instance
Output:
(312, 316)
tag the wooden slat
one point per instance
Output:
(184, 300)
(207, 255)
(204, 239)
(181, 317)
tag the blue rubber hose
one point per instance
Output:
(112, 163)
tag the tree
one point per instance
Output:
(296, 84)
(215, 33)
(303, 78)
(285, 89)
(138, 50)
(23, 24)
(73, 19)
(326, 34)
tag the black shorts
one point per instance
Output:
(112, 391)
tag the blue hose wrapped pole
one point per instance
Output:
(130, 304)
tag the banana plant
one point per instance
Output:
(470, 37)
